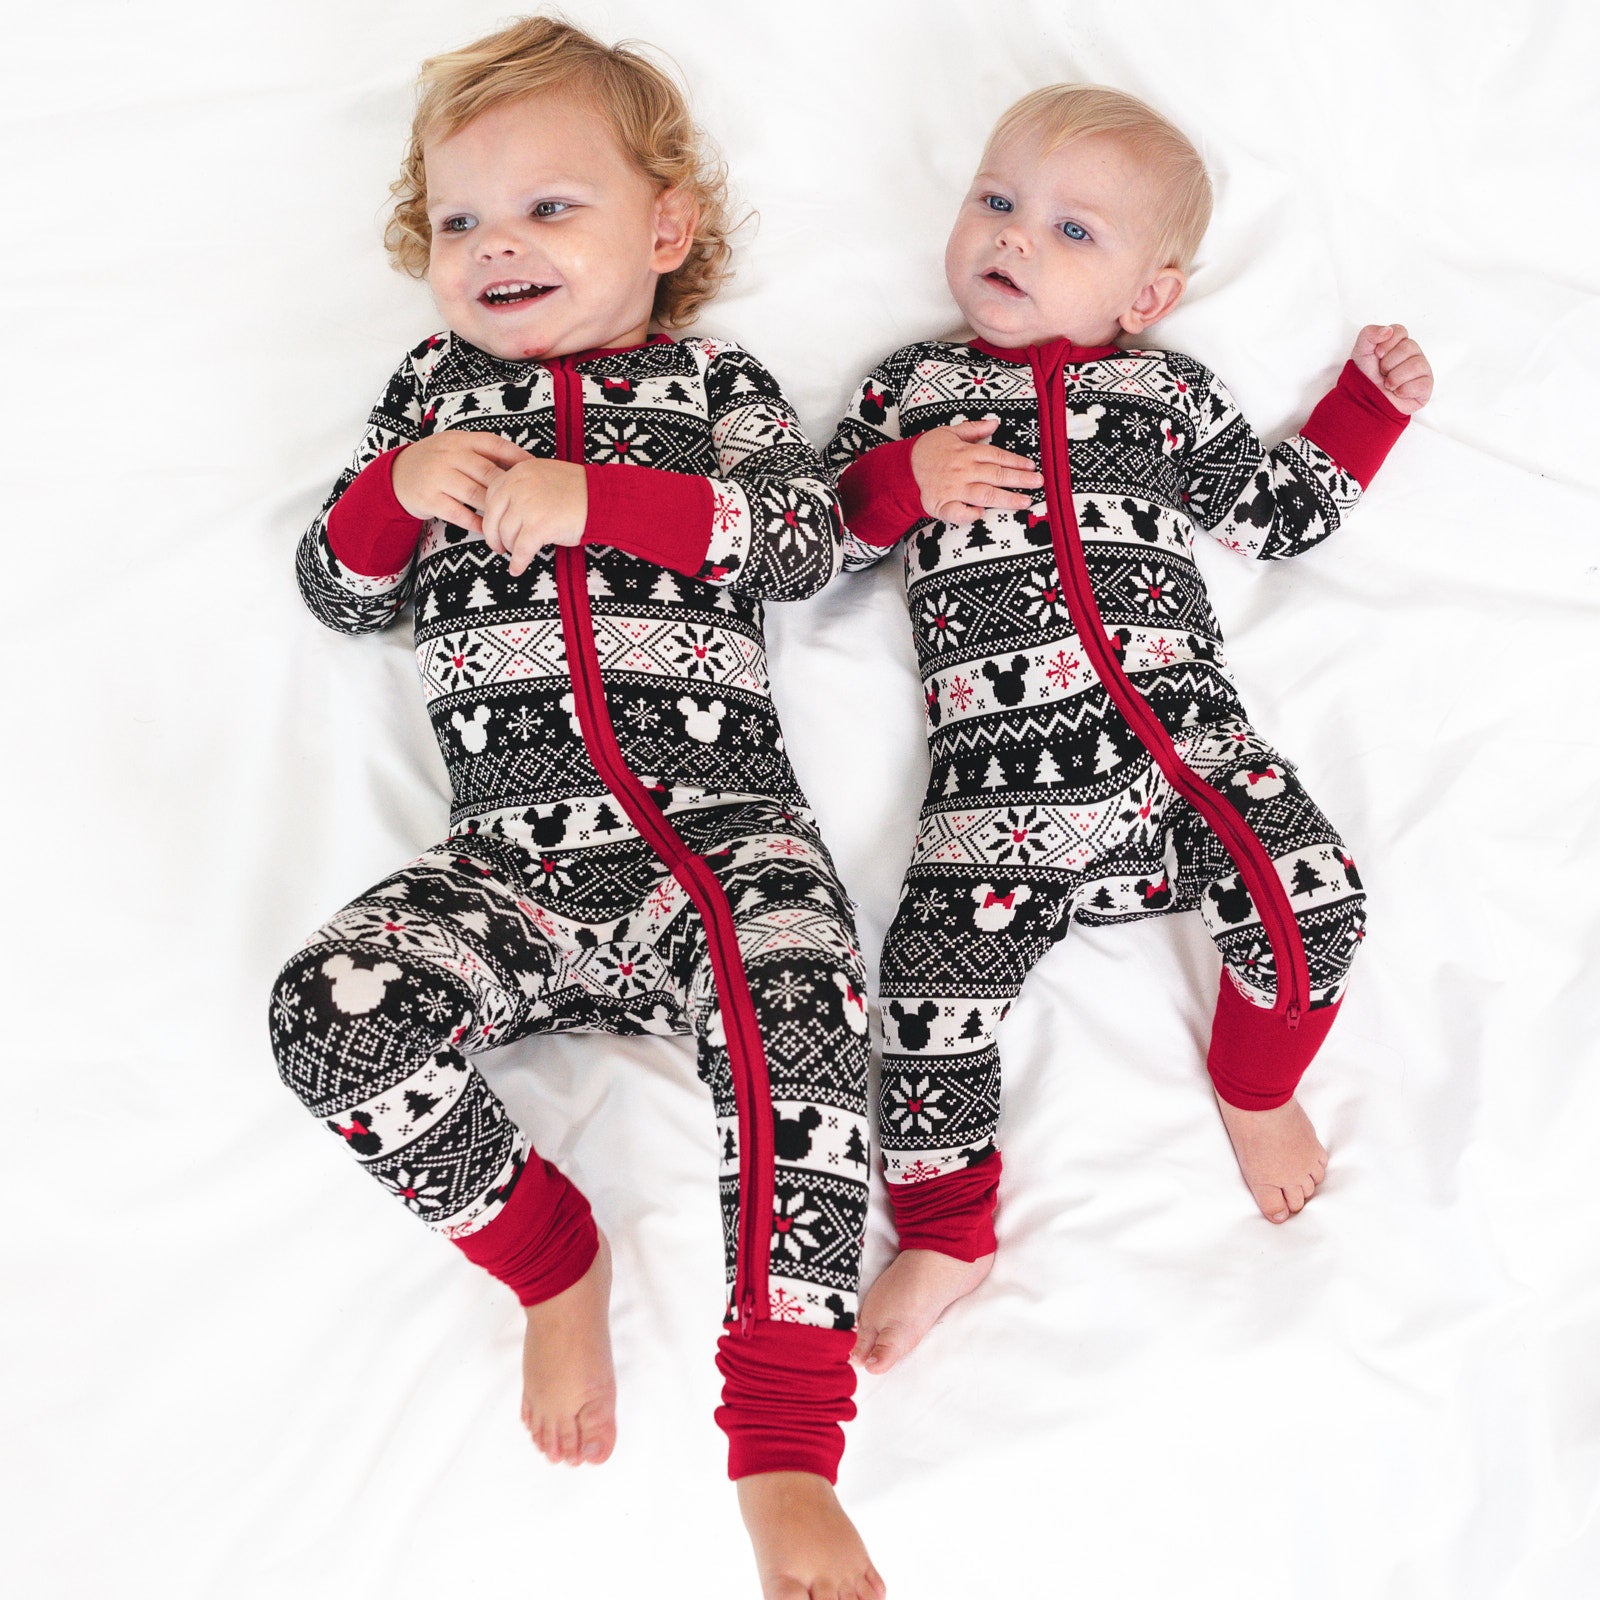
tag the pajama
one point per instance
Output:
(628, 850)
(1091, 759)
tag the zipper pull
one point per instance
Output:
(747, 1314)
(1294, 1016)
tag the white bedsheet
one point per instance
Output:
(232, 1369)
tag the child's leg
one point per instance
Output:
(1285, 959)
(956, 956)
(369, 1024)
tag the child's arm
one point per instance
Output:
(1278, 503)
(889, 484)
(767, 523)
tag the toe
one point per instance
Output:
(877, 1589)
(866, 1337)
(567, 1439)
(1273, 1203)
(597, 1429)
(1295, 1196)
(890, 1344)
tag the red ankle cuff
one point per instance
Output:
(1256, 1059)
(786, 1390)
(544, 1239)
(953, 1214)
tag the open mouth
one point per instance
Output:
(1001, 281)
(500, 295)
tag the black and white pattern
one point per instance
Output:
(1043, 805)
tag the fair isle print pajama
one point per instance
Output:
(1091, 759)
(628, 848)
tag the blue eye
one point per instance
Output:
(1074, 230)
(449, 224)
(550, 208)
(996, 202)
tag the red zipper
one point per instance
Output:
(747, 1056)
(1248, 853)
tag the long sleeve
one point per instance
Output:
(877, 490)
(1279, 503)
(767, 524)
(356, 563)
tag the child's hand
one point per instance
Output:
(446, 475)
(1394, 361)
(534, 504)
(961, 476)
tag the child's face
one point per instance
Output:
(547, 239)
(1059, 245)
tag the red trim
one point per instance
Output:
(747, 1057)
(368, 529)
(542, 1241)
(785, 1392)
(1355, 423)
(1249, 855)
(664, 517)
(1256, 1061)
(878, 494)
(1052, 351)
(953, 1214)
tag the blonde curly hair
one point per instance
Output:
(646, 109)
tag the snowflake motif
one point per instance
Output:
(522, 724)
(929, 905)
(913, 1107)
(373, 925)
(1061, 668)
(793, 517)
(792, 1222)
(459, 660)
(1140, 811)
(773, 427)
(1154, 590)
(417, 1189)
(1046, 599)
(724, 510)
(942, 621)
(642, 715)
(789, 990)
(1162, 653)
(976, 385)
(785, 1307)
(960, 693)
(620, 969)
(1021, 834)
(754, 728)
(1257, 961)
(285, 1005)
(701, 653)
(1136, 427)
(626, 441)
(434, 1006)
(786, 847)
(920, 1171)
(660, 901)
(549, 873)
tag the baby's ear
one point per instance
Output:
(1155, 300)
(673, 223)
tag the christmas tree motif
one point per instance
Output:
(994, 777)
(972, 1028)
(666, 591)
(1102, 900)
(1090, 516)
(480, 595)
(420, 1104)
(729, 1152)
(978, 537)
(605, 819)
(1047, 772)
(950, 782)
(1106, 754)
(855, 1150)
(430, 606)
(1306, 880)
(676, 393)
(1192, 715)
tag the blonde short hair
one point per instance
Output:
(1065, 112)
(646, 109)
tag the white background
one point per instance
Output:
(231, 1368)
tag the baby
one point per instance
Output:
(587, 516)
(1091, 758)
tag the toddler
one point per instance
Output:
(587, 516)
(1091, 758)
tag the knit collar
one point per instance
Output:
(1052, 353)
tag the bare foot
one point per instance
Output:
(1279, 1154)
(908, 1297)
(569, 1389)
(806, 1548)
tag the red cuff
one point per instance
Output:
(370, 531)
(879, 495)
(953, 1214)
(664, 517)
(1355, 424)
(786, 1390)
(544, 1239)
(1256, 1058)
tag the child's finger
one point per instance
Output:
(463, 487)
(1404, 371)
(1003, 477)
(463, 516)
(492, 447)
(957, 513)
(987, 495)
(975, 430)
(994, 456)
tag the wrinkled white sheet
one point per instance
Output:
(232, 1369)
